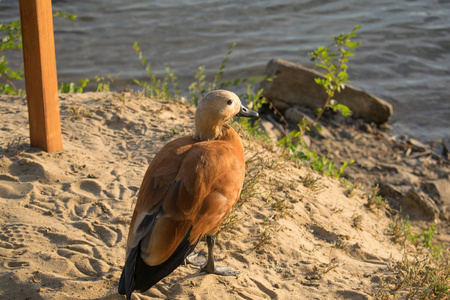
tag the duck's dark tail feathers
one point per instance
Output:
(137, 275)
(127, 283)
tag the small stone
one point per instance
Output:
(422, 202)
(375, 279)
(280, 105)
(418, 145)
(388, 190)
(271, 130)
(346, 135)
(403, 177)
(446, 148)
(366, 163)
(439, 190)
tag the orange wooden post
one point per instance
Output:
(40, 74)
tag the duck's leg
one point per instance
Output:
(210, 266)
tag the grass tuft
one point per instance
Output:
(376, 202)
(77, 113)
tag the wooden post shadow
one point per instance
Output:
(41, 83)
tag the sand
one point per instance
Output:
(64, 216)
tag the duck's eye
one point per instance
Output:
(229, 102)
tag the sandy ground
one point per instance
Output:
(64, 216)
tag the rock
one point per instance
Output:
(442, 148)
(280, 105)
(412, 162)
(366, 163)
(389, 167)
(388, 190)
(346, 135)
(439, 190)
(307, 141)
(295, 115)
(403, 177)
(419, 146)
(294, 84)
(271, 130)
(422, 202)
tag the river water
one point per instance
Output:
(404, 57)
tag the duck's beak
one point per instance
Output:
(245, 112)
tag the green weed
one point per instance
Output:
(73, 87)
(335, 68)
(311, 182)
(357, 221)
(158, 88)
(375, 201)
(341, 243)
(419, 277)
(172, 132)
(400, 227)
(297, 150)
(103, 84)
(349, 186)
(11, 39)
(319, 271)
(426, 238)
(231, 221)
(264, 239)
(63, 14)
(325, 166)
(77, 113)
(254, 102)
(198, 89)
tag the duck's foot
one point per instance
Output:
(210, 266)
(223, 271)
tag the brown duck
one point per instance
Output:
(190, 186)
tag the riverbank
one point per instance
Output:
(65, 215)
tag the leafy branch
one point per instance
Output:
(335, 68)
(11, 39)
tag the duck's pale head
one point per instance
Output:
(214, 110)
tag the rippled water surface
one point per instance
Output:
(404, 57)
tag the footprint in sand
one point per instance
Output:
(257, 290)
(10, 188)
(324, 233)
(14, 242)
(90, 266)
(17, 236)
(27, 170)
(347, 294)
(84, 255)
(116, 190)
(87, 187)
(17, 264)
(107, 235)
(84, 263)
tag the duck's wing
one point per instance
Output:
(154, 235)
